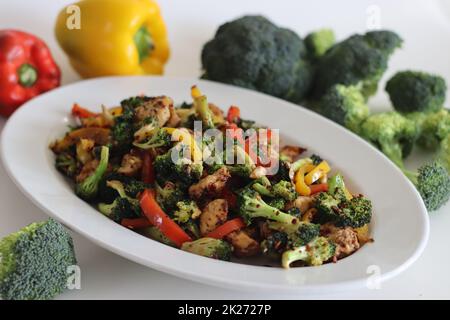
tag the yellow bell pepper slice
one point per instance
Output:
(300, 185)
(195, 92)
(114, 37)
(316, 173)
(184, 136)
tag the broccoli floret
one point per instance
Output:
(412, 91)
(34, 262)
(344, 105)
(434, 128)
(88, 188)
(159, 138)
(123, 206)
(186, 210)
(254, 53)
(392, 133)
(251, 206)
(343, 212)
(284, 189)
(120, 208)
(433, 183)
(359, 60)
(298, 234)
(274, 245)
(182, 169)
(131, 185)
(66, 164)
(318, 42)
(244, 167)
(316, 159)
(277, 203)
(169, 196)
(210, 248)
(314, 253)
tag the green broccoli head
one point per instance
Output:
(318, 42)
(277, 203)
(169, 195)
(251, 206)
(392, 133)
(359, 60)
(159, 138)
(284, 189)
(344, 105)
(210, 248)
(66, 164)
(131, 186)
(181, 169)
(274, 245)
(434, 128)
(433, 183)
(298, 234)
(123, 206)
(254, 53)
(34, 262)
(343, 212)
(88, 188)
(412, 91)
(186, 210)
(314, 253)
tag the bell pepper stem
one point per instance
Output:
(27, 75)
(144, 42)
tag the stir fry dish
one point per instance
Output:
(211, 183)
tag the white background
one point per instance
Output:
(425, 27)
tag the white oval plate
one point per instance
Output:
(400, 222)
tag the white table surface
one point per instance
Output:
(425, 27)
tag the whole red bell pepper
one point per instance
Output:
(27, 69)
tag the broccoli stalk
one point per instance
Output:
(251, 206)
(210, 248)
(344, 105)
(433, 183)
(202, 108)
(88, 188)
(414, 91)
(314, 253)
(34, 262)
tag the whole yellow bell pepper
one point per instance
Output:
(115, 37)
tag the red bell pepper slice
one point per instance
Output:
(233, 114)
(80, 112)
(27, 69)
(160, 219)
(316, 188)
(226, 228)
